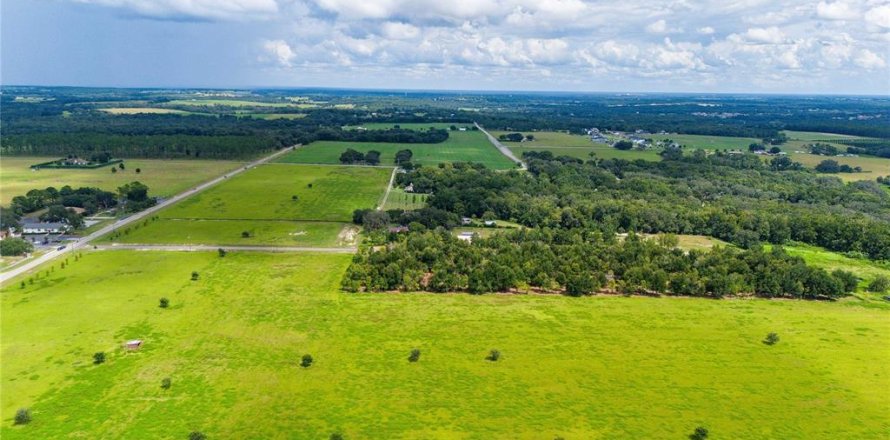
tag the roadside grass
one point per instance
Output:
(399, 199)
(163, 177)
(229, 233)
(265, 193)
(461, 146)
(595, 367)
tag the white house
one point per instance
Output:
(44, 228)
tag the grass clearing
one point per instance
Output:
(461, 146)
(163, 177)
(863, 268)
(872, 167)
(144, 110)
(592, 368)
(230, 103)
(272, 116)
(229, 233)
(816, 136)
(399, 199)
(573, 145)
(707, 142)
(265, 193)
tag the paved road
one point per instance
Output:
(203, 248)
(504, 150)
(5, 276)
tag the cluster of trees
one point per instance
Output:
(755, 147)
(823, 149)
(736, 198)
(403, 157)
(59, 203)
(832, 166)
(584, 261)
(623, 145)
(879, 147)
(516, 137)
(350, 157)
(15, 246)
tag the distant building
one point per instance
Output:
(490, 223)
(44, 228)
(409, 188)
(466, 221)
(134, 344)
(398, 229)
(465, 236)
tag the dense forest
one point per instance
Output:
(583, 261)
(736, 198)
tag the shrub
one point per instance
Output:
(493, 356)
(197, 435)
(294, 198)
(99, 357)
(245, 234)
(306, 361)
(15, 246)
(164, 303)
(23, 416)
(414, 356)
(771, 339)
(880, 284)
(165, 383)
(194, 276)
(700, 433)
(336, 436)
(222, 252)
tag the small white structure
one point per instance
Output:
(490, 223)
(134, 344)
(44, 228)
(466, 221)
(409, 188)
(465, 236)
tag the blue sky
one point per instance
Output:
(754, 46)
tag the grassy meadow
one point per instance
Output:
(573, 145)
(872, 167)
(163, 177)
(229, 233)
(265, 193)
(578, 368)
(144, 110)
(399, 199)
(461, 146)
(705, 142)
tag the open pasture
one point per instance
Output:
(872, 167)
(573, 145)
(399, 199)
(144, 110)
(163, 177)
(234, 103)
(461, 146)
(325, 193)
(577, 368)
(704, 142)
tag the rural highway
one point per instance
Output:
(504, 150)
(80, 243)
(203, 248)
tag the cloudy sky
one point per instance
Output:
(628, 45)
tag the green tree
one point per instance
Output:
(166, 383)
(414, 356)
(771, 339)
(22, 416)
(880, 284)
(306, 361)
(164, 303)
(194, 276)
(197, 435)
(700, 433)
(99, 357)
(493, 356)
(15, 246)
(623, 145)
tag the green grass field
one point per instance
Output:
(271, 116)
(578, 368)
(872, 167)
(461, 146)
(229, 233)
(865, 269)
(707, 142)
(232, 103)
(399, 199)
(265, 193)
(163, 177)
(815, 136)
(141, 110)
(572, 145)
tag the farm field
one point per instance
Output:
(573, 145)
(235, 103)
(141, 110)
(707, 142)
(265, 193)
(232, 356)
(229, 233)
(271, 116)
(461, 146)
(815, 136)
(163, 177)
(872, 167)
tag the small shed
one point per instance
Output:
(134, 344)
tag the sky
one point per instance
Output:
(730, 46)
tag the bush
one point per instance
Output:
(164, 303)
(306, 361)
(194, 276)
(700, 433)
(623, 145)
(414, 356)
(336, 436)
(165, 383)
(245, 234)
(493, 356)
(99, 357)
(23, 416)
(880, 284)
(222, 252)
(197, 435)
(15, 246)
(771, 339)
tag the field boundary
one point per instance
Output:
(208, 248)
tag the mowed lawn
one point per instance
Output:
(577, 368)
(230, 233)
(163, 177)
(707, 142)
(573, 145)
(461, 146)
(266, 193)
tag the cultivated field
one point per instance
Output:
(235, 103)
(265, 193)
(230, 233)
(163, 177)
(461, 146)
(578, 368)
(707, 142)
(141, 110)
(399, 199)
